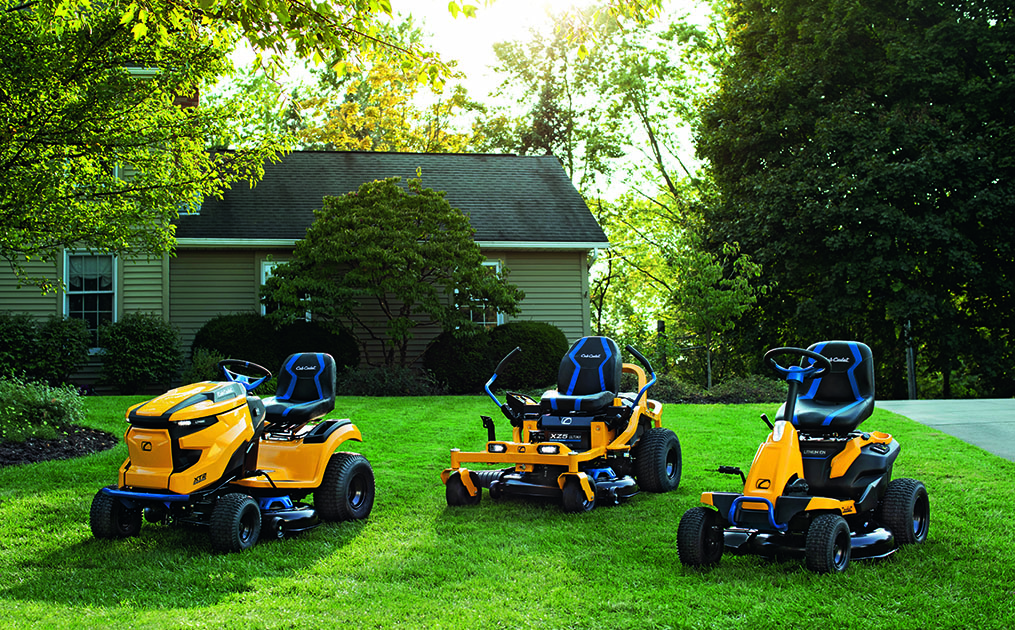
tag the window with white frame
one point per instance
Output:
(90, 281)
(267, 271)
(480, 311)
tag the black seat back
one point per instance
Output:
(305, 392)
(588, 378)
(839, 400)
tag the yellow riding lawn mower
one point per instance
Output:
(818, 487)
(585, 443)
(213, 455)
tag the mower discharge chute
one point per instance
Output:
(818, 487)
(585, 442)
(211, 454)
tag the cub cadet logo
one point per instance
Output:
(589, 356)
(565, 420)
(839, 359)
(763, 484)
(305, 367)
(146, 446)
(200, 478)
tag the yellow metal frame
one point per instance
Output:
(523, 454)
(778, 459)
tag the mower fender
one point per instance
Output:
(582, 478)
(467, 479)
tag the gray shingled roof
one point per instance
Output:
(509, 198)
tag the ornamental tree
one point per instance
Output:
(384, 261)
(94, 152)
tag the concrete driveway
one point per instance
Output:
(987, 423)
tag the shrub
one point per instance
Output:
(63, 348)
(543, 345)
(252, 337)
(387, 381)
(140, 350)
(750, 389)
(462, 363)
(37, 410)
(48, 352)
(247, 336)
(203, 367)
(667, 388)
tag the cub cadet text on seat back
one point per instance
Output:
(841, 398)
(588, 378)
(305, 392)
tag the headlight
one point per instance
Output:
(548, 449)
(496, 448)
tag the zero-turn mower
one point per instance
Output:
(585, 443)
(818, 486)
(213, 455)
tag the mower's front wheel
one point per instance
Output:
(700, 540)
(657, 460)
(829, 546)
(235, 523)
(574, 499)
(346, 492)
(110, 518)
(457, 494)
(906, 511)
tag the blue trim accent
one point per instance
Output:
(488, 392)
(771, 511)
(577, 368)
(851, 372)
(268, 503)
(292, 383)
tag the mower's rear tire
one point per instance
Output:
(829, 546)
(346, 492)
(110, 518)
(905, 511)
(235, 523)
(457, 494)
(700, 538)
(574, 499)
(657, 460)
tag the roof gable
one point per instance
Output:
(510, 199)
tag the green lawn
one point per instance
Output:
(415, 563)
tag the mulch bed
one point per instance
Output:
(78, 441)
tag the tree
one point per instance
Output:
(94, 154)
(407, 256)
(864, 156)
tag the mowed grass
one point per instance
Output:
(415, 563)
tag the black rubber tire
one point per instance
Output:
(700, 538)
(574, 500)
(456, 493)
(905, 511)
(109, 518)
(235, 523)
(346, 492)
(657, 460)
(829, 546)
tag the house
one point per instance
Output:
(528, 218)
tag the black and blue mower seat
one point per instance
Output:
(305, 392)
(588, 379)
(838, 400)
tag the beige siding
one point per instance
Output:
(29, 299)
(143, 287)
(204, 284)
(555, 286)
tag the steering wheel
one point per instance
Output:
(250, 380)
(798, 373)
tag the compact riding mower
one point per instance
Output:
(213, 455)
(581, 442)
(818, 487)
